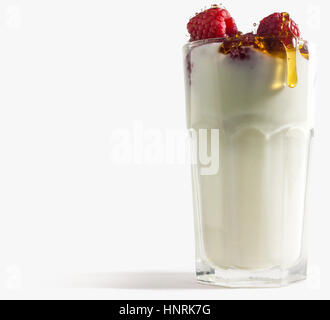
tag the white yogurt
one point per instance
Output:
(250, 215)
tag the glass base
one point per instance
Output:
(239, 278)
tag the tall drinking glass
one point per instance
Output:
(251, 122)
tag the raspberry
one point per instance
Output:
(248, 39)
(240, 53)
(212, 23)
(279, 25)
(231, 27)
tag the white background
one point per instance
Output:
(71, 74)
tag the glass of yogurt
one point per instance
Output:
(250, 119)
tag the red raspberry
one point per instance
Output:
(212, 23)
(279, 25)
(231, 27)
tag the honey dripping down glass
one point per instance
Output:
(285, 46)
(291, 55)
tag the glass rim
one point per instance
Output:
(197, 43)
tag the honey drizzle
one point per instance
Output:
(291, 54)
(283, 47)
(303, 48)
(291, 58)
